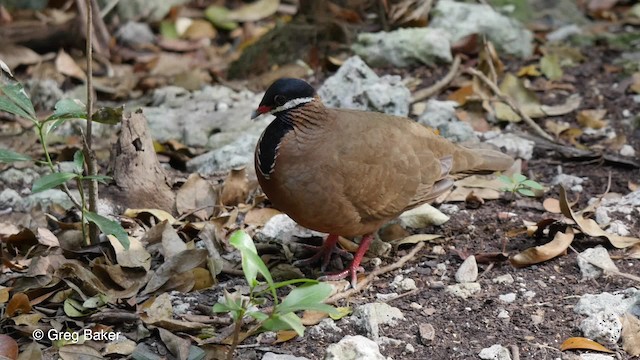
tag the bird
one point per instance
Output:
(348, 172)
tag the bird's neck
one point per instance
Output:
(307, 116)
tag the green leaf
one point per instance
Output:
(55, 125)
(251, 262)
(168, 30)
(16, 94)
(219, 17)
(260, 316)
(307, 298)
(108, 115)
(78, 161)
(505, 179)
(8, 156)
(278, 285)
(8, 106)
(50, 181)
(525, 192)
(109, 227)
(69, 109)
(101, 178)
(518, 178)
(341, 312)
(532, 184)
(550, 66)
(284, 322)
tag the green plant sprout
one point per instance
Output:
(519, 183)
(281, 315)
(14, 100)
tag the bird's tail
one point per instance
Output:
(481, 160)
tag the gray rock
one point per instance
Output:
(135, 33)
(507, 298)
(404, 47)
(449, 209)
(625, 205)
(604, 327)
(463, 290)
(369, 317)
(495, 352)
(354, 348)
(45, 199)
(514, 145)
(427, 333)
(9, 198)
(274, 356)
(441, 115)
(619, 228)
(192, 117)
(326, 330)
(282, 229)
(563, 33)
(619, 303)
(569, 182)
(403, 284)
(597, 255)
(627, 150)
(44, 93)
(18, 179)
(503, 279)
(462, 19)
(356, 86)
(468, 270)
(239, 153)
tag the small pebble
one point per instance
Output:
(508, 298)
(427, 333)
(503, 279)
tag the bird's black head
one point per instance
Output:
(284, 94)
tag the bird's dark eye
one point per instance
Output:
(280, 100)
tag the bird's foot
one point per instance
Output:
(354, 267)
(352, 270)
(324, 253)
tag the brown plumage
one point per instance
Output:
(348, 172)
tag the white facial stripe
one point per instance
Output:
(291, 104)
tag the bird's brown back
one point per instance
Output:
(351, 171)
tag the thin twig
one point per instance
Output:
(440, 84)
(89, 155)
(507, 99)
(362, 284)
(489, 51)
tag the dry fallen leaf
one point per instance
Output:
(590, 227)
(19, 304)
(235, 188)
(8, 347)
(592, 118)
(160, 215)
(552, 205)
(260, 216)
(530, 70)
(313, 317)
(254, 11)
(550, 250)
(580, 343)
(630, 334)
(67, 66)
(414, 239)
(196, 195)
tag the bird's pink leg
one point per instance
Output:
(354, 267)
(324, 252)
